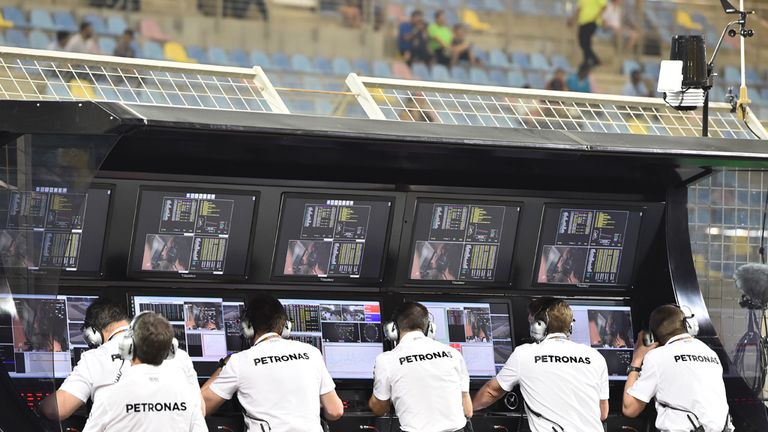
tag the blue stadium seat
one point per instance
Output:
(281, 61)
(479, 76)
(493, 6)
(753, 78)
(516, 79)
(58, 88)
(381, 69)
(497, 77)
(64, 20)
(2, 39)
(197, 53)
(341, 66)
(536, 80)
(38, 40)
(481, 55)
(362, 67)
(764, 94)
(239, 57)
(732, 75)
(440, 73)
(97, 22)
(152, 50)
(15, 16)
(652, 70)
(116, 25)
(497, 58)
(16, 38)
(259, 58)
(559, 61)
(41, 20)
(300, 63)
(540, 62)
(107, 45)
(218, 56)
(420, 71)
(323, 65)
(312, 82)
(629, 65)
(459, 74)
(521, 60)
(451, 17)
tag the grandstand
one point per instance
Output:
(304, 44)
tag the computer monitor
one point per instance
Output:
(607, 328)
(347, 332)
(207, 328)
(458, 242)
(192, 233)
(332, 237)
(480, 330)
(41, 335)
(587, 245)
(55, 228)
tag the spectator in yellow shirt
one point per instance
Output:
(588, 16)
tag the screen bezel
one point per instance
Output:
(203, 277)
(338, 280)
(591, 205)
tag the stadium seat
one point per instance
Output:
(361, 66)
(401, 70)
(16, 38)
(64, 20)
(259, 58)
(629, 65)
(281, 61)
(81, 89)
(149, 28)
(300, 63)
(218, 56)
(38, 40)
(440, 73)
(239, 58)
(196, 54)
(116, 25)
(381, 69)
(41, 20)
(451, 17)
(753, 78)
(481, 55)
(516, 79)
(478, 76)
(312, 82)
(493, 6)
(15, 16)
(470, 18)
(107, 45)
(341, 66)
(497, 77)
(459, 74)
(521, 60)
(421, 71)
(5, 23)
(2, 39)
(540, 62)
(732, 75)
(764, 94)
(497, 58)
(323, 65)
(652, 69)
(97, 22)
(684, 19)
(536, 80)
(153, 51)
(560, 62)
(58, 89)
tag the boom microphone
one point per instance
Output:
(752, 281)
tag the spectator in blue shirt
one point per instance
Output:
(413, 40)
(636, 85)
(579, 82)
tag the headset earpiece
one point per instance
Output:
(126, 347)
(247, 329)
(174, 348)
(391, 332)
(286, 333)
(431, 330)
(92, 336)
(538, 330)
(648, 337)
(691, 323)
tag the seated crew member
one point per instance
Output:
(101, 366)
(152, 395)
(682, 373)
(280, 383)
(564, 384)
(427, 381)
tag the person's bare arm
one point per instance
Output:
(603, 410)
(630, 405)
(211, 401)
(60, 405)
(486, 396)
(378, 407)
(332, 405)
(466, 403)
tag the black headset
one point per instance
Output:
(689, 319)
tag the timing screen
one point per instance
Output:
(326, 237)
(482, 332)
(193, 233)
(52, 228)
(348, 333)
(208, 329)
(463, 241)
(41, 336)
(587, 246)
(609, 330)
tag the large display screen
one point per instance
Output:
(41, 336)
(348, 333)
(332, 237)
(482, 332)
(193, 233)
(609, 330)
(207, 328)
(587, 246)
(463, 241)
(53, 228)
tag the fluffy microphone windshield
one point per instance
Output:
(752, 280)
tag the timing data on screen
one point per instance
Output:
(609, 330)
(41, 336)
(347, 332)
(482, 332)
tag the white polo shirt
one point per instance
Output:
(278, 382)
(148, 399)
(102, 366)
(561, 380)
(425, 380)
(684, 374)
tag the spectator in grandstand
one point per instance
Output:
(636, 85)
(588, 16)
(557, 82)
(440, 39)
(617, 21)
(237, 8)
(83, 41)
(413, 40)
(580, 82)
(461, 49)
(60, 44)
(124, 48)
(351, 13)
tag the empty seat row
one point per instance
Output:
(41, 19)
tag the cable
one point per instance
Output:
(761, 251)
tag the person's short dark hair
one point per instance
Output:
(128, 32)
(667, 321)
(84, 25)
(265, 313)
(416, 12)
(536, 304)
(555, 312)
(152, 338)
(439, 13)
(458, 26)
(411, 316)
(61, 36)
(103, 312)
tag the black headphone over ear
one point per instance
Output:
(689, 319)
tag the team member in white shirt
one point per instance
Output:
(105, 321)
(564, 384)
(152, 395)
(682, 373)
(281, 384)
(427, 381)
